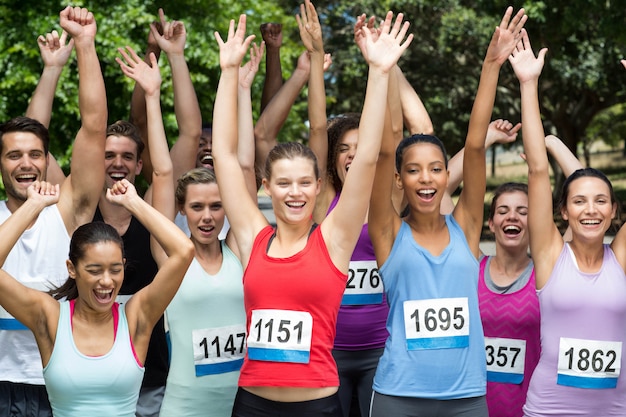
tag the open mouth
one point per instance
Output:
(512, 230)
(117, 176)
(103, 296)
(427, 195)
(206, 160)
(22, 178)
(295, 204)
(590, 222)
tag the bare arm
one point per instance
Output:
(414, 112)
(147, 305)
(342, 226)
(272, 34)
(186, 106)
(275, 113)
(246, 150)
(245, 218)
(499, 131)
(148, 77)
(545, 240)
(563, 156)
(80, 195)
(470, 207)
(55, 52)
(34, 309)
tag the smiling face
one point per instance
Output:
(205, 150)
(589, 208)
(23, 161)
(204, 211)
(423, 176)
(509, 222)
(121, 160)
(98, 274)
(346, 149)
(293, 188)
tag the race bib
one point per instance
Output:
(280, 336)
(589, 364)
(505, 360)
(438, 323)
(364, 285)
(218, 350)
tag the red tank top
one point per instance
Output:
(291, 311)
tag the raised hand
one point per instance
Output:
(55, 50)
(234, 49)
(623, 61)
(78, 22)
(250, 68)
(169, 36)
(527, 67)
(272, 34)
(359, 37)
(506, 36)
(385, 51)
(122, 193)
(147, 76)
(501, 131)
(43, 193)
(304, 62)
(310, 28)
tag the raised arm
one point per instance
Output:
(274, 115)
(186, 107)
(567, 161)
(619, 242)
(31, 307)
(311, 36)
(138, 115)
(81, 192)
(245, 122)
(499, 131)
(148, 77)
(469, 210)
(55, 51)
(341, 227)
(272, 34)
(545, 240)
(147, 305)
(245, 218)
(414, 113)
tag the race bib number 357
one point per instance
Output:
(590, 364)
(439, 323)
(280, 336)
(505, 360)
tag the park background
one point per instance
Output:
(582, 88)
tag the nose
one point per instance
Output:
(207, 215)
(424, 176)
(117, 161)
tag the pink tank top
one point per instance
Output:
(511, 324)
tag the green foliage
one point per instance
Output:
(581, 80)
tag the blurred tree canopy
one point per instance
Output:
(582, 88)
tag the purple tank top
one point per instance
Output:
(511, 326)
(583, 329)
(363, 313)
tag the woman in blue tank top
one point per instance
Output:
(434, 358)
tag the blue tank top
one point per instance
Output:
(436, 346)
(80, 385)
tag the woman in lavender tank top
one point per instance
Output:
(582, 282)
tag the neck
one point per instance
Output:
(509, 263)
(426, 222)
(116, 216)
